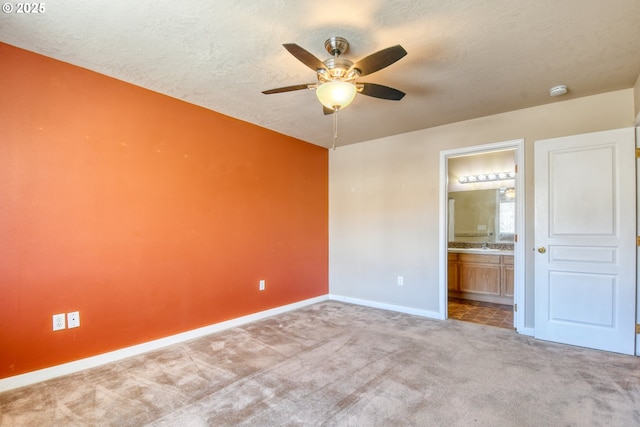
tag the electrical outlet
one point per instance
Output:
(262, 284)
(400, 281)
(73, 319)
(59, 322)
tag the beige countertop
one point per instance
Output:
(480, 251)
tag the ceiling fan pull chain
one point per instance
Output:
(335, 127)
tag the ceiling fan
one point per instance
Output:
(337, 86)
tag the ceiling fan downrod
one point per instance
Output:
(336, 46)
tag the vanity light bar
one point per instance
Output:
(486, 177)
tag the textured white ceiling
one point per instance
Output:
(466, 58)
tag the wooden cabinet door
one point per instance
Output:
(507, 276)
(480, 278)
(507, 281)
(452, 274)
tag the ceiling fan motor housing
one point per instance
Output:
(338, 69)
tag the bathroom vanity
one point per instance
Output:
(481, 274)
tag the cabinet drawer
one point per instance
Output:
(481, 259)
(452, 257)
(507, 259)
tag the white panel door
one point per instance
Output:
(585, 228)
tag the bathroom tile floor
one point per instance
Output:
(485, 313)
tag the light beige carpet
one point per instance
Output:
(335, 364)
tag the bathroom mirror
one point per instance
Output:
(478, 216)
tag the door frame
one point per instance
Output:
(638, 234)
(519, 248)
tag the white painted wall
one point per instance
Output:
(383, 197)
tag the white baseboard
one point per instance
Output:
(113, 356)
(29, 378)
(390, 307)
(424, 313)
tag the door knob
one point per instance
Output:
(542, 249)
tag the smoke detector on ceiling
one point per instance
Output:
(558, 90)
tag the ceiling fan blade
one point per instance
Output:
(377, 61)
(305, 57)
(289, 88)
(327, 111)
(380, 91)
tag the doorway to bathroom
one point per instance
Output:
(482, 233)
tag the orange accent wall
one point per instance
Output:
(149, 215)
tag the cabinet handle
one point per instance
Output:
(542, 249)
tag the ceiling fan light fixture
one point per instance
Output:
(336, 95)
